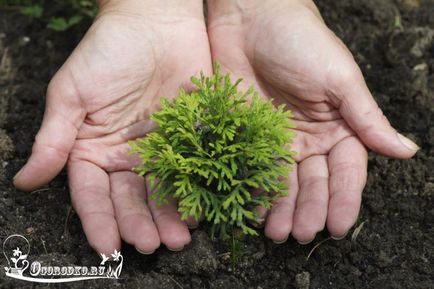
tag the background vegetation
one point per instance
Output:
(58, 15)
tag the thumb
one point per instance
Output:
(359, 109)
(55, 139)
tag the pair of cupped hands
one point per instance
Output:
(137, 51)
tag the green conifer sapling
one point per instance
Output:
(220, 155)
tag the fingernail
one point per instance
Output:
(17, 174)
(176, 249)
(145, 252)
(305, 242)
(339, 237)
(408, 142)
(281, 241)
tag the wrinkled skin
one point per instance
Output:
(284, 49)
(101, 98)
(139, 50)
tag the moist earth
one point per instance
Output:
(392, 243)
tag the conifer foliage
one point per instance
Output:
(218, 154)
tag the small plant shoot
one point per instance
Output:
(220, 152)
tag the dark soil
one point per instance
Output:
(392, 40)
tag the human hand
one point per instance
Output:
(135, 52)
(284, 49)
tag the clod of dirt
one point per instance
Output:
(408, 5)
(355, 271)
(426, 36)
(302, 280)
(414, 42)
(384, 260)
(383, 12)
(198, 257)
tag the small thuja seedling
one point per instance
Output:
(220, 155)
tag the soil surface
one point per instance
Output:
(392, 40)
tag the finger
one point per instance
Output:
(132, 214)
(90, 196)
(63, 115)
(359, 109)
(261, 216)
(173, 232)
(312, 200)
(347, 162)
(260, 211)
(192, 223)
(280, 217)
